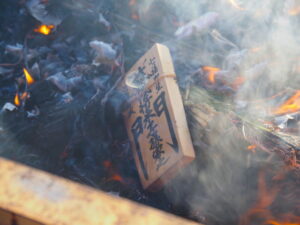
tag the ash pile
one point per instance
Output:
(237, 65)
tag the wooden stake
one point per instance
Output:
(32, 197)
(156, 121)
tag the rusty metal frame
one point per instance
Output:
(32, 197)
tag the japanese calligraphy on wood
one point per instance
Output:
(156, 122)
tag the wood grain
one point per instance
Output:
(31, 195)
(156, 121)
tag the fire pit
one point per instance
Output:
(63, 66)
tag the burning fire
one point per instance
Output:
(116, 177)
(29, 78)
(211, 73)
(235, 5)
(252, 148)
(273, 222)
(114, 174)
(265, 198)
(17, 100)
(290, 106)
(44, 29)
(24, 95)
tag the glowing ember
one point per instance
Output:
(273, 222)
(29, 78)
(211, 73)
(132, 2)
(236, 5)
(24, 96)
(135, 16)
(252, 148)
(290, 106)
(116, 177)
(238, 82)
(257, 49)
(17, 100)
(107, 164)
(44, 29)
(265, 197)
(114, 174)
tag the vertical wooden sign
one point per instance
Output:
(156, 121)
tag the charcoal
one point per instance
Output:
(5, 70)
(104, 53)
(43, 50)
(103, 21)
(102, 82)
(14, 49)
(60, 81)
(197, 25)
(69, 121)
(38, 10)
(234, 59)
(35, 71)
(51, 67)
(9, 106)
(116, 104)
(64, 84)
(40, 92)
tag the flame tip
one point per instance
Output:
(211, 73)
(17, 100)
(28, 77)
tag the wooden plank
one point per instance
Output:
(20, 220)
(156, 121)
(5, 217)
(47, 199)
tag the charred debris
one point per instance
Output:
(61, 63)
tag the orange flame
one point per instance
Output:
(28, 77)
(265, 197)
(294, 11)
(44, 29)
(290, 106)
(252, 148)
(17, 100)
(24, 95)
(211, 73)
(273, 222)
(235, 5)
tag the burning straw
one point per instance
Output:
(237, 64)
